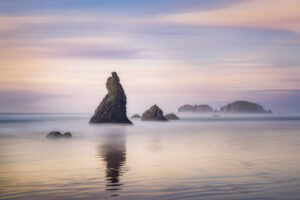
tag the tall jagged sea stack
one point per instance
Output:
(112, 109)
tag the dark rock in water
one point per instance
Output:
(57, 134)
(112, 109)
(195, 108)
(154, 114)
(171, 117)
(54, 134)
(243, 107)
(67, 134)
(136, 116)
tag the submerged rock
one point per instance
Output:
(243, 107)
(112, 109)
(57, 134)
(195, 108)
(154, 114)
(171, 116)
(136, 116)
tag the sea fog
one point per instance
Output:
(197, 157)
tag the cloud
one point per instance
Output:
(24, 100)
(257, 14)
(83, 34)
(143, 7)
(80, 52)
(69, 38)
(264, 14)
(199, 53)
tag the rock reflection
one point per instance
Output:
(113, 153)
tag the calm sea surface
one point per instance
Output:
(197, 157)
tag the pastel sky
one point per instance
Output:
(55, 56)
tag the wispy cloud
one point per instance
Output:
(264, 14)
(204, 50)
(116, 6)
(24, 100)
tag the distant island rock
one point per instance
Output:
(136, 116)
(171, 116)
(154, 114)
(196, 108)
(57, 134)
(112, 109)
(243, 107)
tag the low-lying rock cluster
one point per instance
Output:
(57, 134)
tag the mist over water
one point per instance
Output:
(197, 157)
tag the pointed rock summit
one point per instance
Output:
(112, 109)
(136, 116)
(154, 114)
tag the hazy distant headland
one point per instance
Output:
(196, 108)
(235, 107)
(243, 107)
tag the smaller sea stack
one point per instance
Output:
(154, 114)
(171, 116)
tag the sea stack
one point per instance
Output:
(154, 114)
(171, 116)
(112, 109)
(196, 108)
(243, 107)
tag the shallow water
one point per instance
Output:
(198, 157)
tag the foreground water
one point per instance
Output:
(232, 157)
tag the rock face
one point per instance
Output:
(195, 108)
(171, 116)
(112, 109)
(154, 114)
(57, 134)
(243, 107)
(136, 116)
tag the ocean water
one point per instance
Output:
(198, 157)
